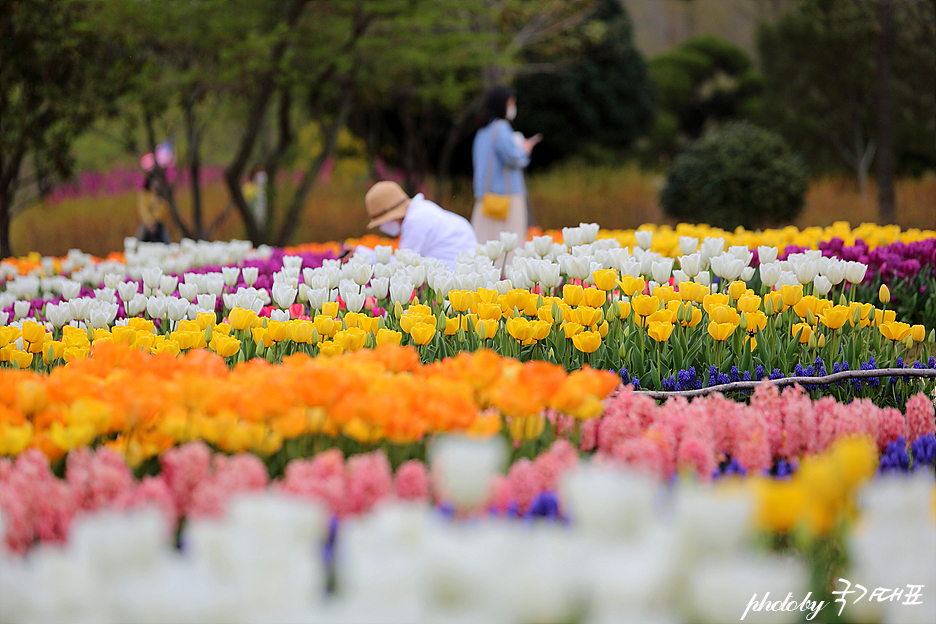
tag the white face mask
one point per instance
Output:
(511, 112)
(390, 228)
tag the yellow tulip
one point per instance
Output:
(486, 328)
(58, 349)
(541, 329)
(407, 321)
(884, 294)
(452, 325)
(736, 289)
(893, 330)
(792, 294)
(723, 314)
(720, 331)
(490, 311)
(632, 285)
(587, 316)
(644, 305)
(326, 326)
(330, 347)
(520, 328)
(624, 309)
(461, 300)
(544, 313)
(660, 331)
(526, 427)
(301, 331)
(571, 329)
(595, 298)
(352, 319)
(388, 336)
(715, 299)
(225, 346)
(22, 358)
(352, 338)
(75, 353)
(605, 279)
(835, 317)
(573, 294)
(10, 335)
(277, 330)
(755, 321)
(807, 332)
(33, 332)
(165, 346)
(587, 341)
(13, 439)
(859, 313)
(259, 334)
(666, 294)
(691, 291)
(918, 333)
(807, 303)
(773, 303)
(330, 309)
(242, 319)
(748, 303)
(223, 328)
(204, 319)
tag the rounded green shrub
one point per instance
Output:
(736, 174)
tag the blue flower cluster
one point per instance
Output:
(627, 379)
(896, 459)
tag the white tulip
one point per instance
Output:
(317, 298)
(549, 276)
(502, 287)
(644, 239)
(589, 232)
(835, 271)
(383, 253)
(822, 285)
(464, 467)
(167, 284)
(703, 278)
(609, 503)
(572, 236)
(4, 318)
(444, 284)
(542, 245)
(250, 275)
(855, 272)
(70, 290)
(747, 273)
(766, 254)
(680, 276)
(151, 277)
(354, 301)
(509, 241)
(401, 291)
(769, 273)
(805, 271)
(178, 308)
(98, 319)
(292, 262)
(362, 273)
(280, 315)
(157, 307)
(727, 266)
(188, 291)
(111, 279)
(230, 275)
(688, 245)
(380, 286)
(134, 307)
(21, 308)
(580, 267)
(126, 290)
(207, 302)
(691, 263)
(284, 295)
(493, 249)
(58, 315)
(662, 270)
(105, 294)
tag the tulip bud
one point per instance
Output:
(769, 307)
(884, 294)
(556, 313)
(397, 309)
(932, 336)
(314, 339)
(843, 300)
(918, 333)
(908, 342)
(810, 318)
(743, 323)
(871, 314)
(821, 341)
(812, 343)
(856, 316)
(208, 333)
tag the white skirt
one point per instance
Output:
(487, 228)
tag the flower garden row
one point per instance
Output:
(386, 438)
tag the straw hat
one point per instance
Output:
(385, 201)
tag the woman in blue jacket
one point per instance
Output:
(499, 156)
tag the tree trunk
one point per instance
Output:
(448, 150)
(160, 173)
(311, 174)
(266, 86)
(194, 162)
(9, 174)
(885, 117)
(6, 202)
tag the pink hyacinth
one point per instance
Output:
(97, 478)
(183, 469)
(232, 475)
(641, 453)
(320, 478)
(799, 415)
(697, 455)
(890, 425)
(412, 481)
(751, 443)
(766, 399)
(920, 416)
(368, 481)
(589, 438)
(524, 483)
(152, 491)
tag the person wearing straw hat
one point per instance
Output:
(422, 226)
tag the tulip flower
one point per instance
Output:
(720, 331)
(893, 330)
(330, 309)
(792, 294)
(884, 294)
(520, 328)
(388, 336)
(573, 294)
(807, 331)
(605, 279)
(835, 317)
(242, 319)
(571, 329)
(353, 338)
(918, 333)
(526, 427)
(659, 331)
(630, 286)
(587, 341)
(485, 328)
(594, 298)
(624, 309)
(587, 316)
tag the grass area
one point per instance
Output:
(614, 196)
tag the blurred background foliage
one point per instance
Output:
(327, 96)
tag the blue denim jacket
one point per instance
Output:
(507, 154)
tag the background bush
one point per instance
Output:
(736, 174)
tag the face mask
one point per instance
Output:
(390, 228)
(511, 112)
